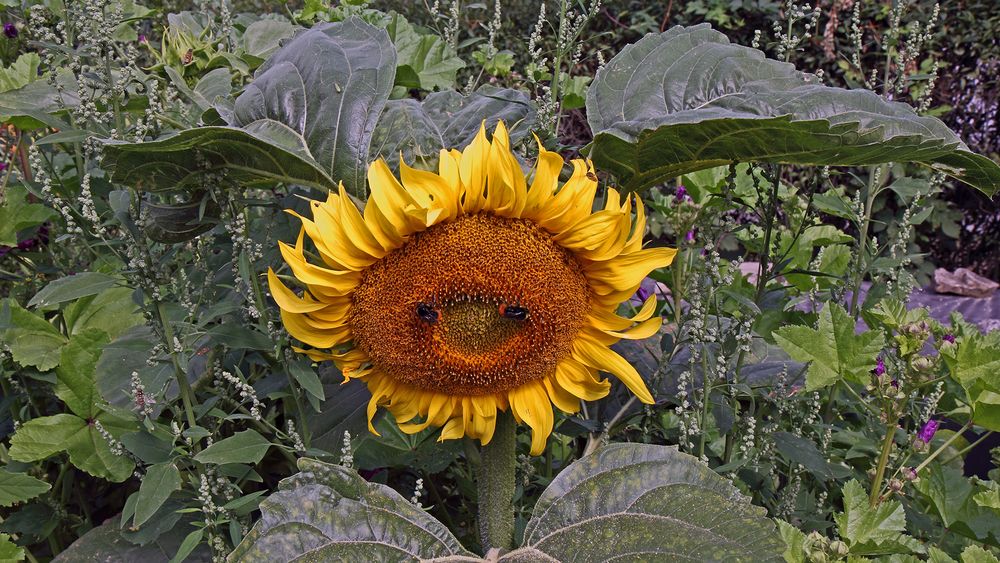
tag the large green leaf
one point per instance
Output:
(247, 446)
(107, 544)
(873, 529)
(160, 481)
(833, 348)
(424, 61)
(16, 214)
(329, 513)
(76, 384)
(32, 340)
(88, 450)
(32, 106)
(635, 502)
(307, 118)
(71, 287)
(687, 99)
(448, 120)
(18, 487)
(953, 496)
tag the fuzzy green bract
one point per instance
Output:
(688, 99)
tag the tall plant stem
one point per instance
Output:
(883, 461)
(874, 182)
(496, 486)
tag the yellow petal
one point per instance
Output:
(440, 193)
(355, 228)
(579, 380)
(392, 199)
(300, 326)
(591, 353)
(530, 403)
(627, 271)
(560, 397)
(472, 168)
(286, 298)
(546, 179)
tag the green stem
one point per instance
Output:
(968, 448)
(496, 486)
(187, 395)
(862, 265)
(883, 460)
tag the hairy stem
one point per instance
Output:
(496, 486)
(883, 460)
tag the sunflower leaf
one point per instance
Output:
(687, 99)
(655, 502)
(307, 118)
(332, 513)
(445, 120)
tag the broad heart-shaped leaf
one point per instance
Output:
(834, 350)
(307, 118)
(18, 487)
(88, 450)
(328, 85)
(953, 497)
(645, 502)
(329, 513)
(687, 99)
(447, 120)
(270, 152)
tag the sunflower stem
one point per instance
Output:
(496, 486)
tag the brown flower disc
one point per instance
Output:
(430, 313)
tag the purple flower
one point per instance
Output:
(642, 293)
(949, 337)
(142, 38)
(926, 433)
(10, 30)
(3, 166)
(681, 194)
(689, 237)
(879, 367)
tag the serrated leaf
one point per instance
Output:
(952, 496)
(18, 487)
(247, 446)
(42, 437)
(76, 383)
(427, 59)
(9, 551)
(795, 541)
(977, 358)
(112, 311)
(688, 99)
(645, 501)
(90, 451)
(333, 514)
(17, 214)
(863, 526)
(20, 72)
(71, 287)
(976, 554)
(159, 482)
(32, 340)
(833, 349)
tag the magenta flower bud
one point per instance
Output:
(681, 194)
(3, 166)
(879, 367)
(689, 237)
(949, 337)
(10, 30)
(642, 293)
(926, 433)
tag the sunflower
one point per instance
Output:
(462, 293)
